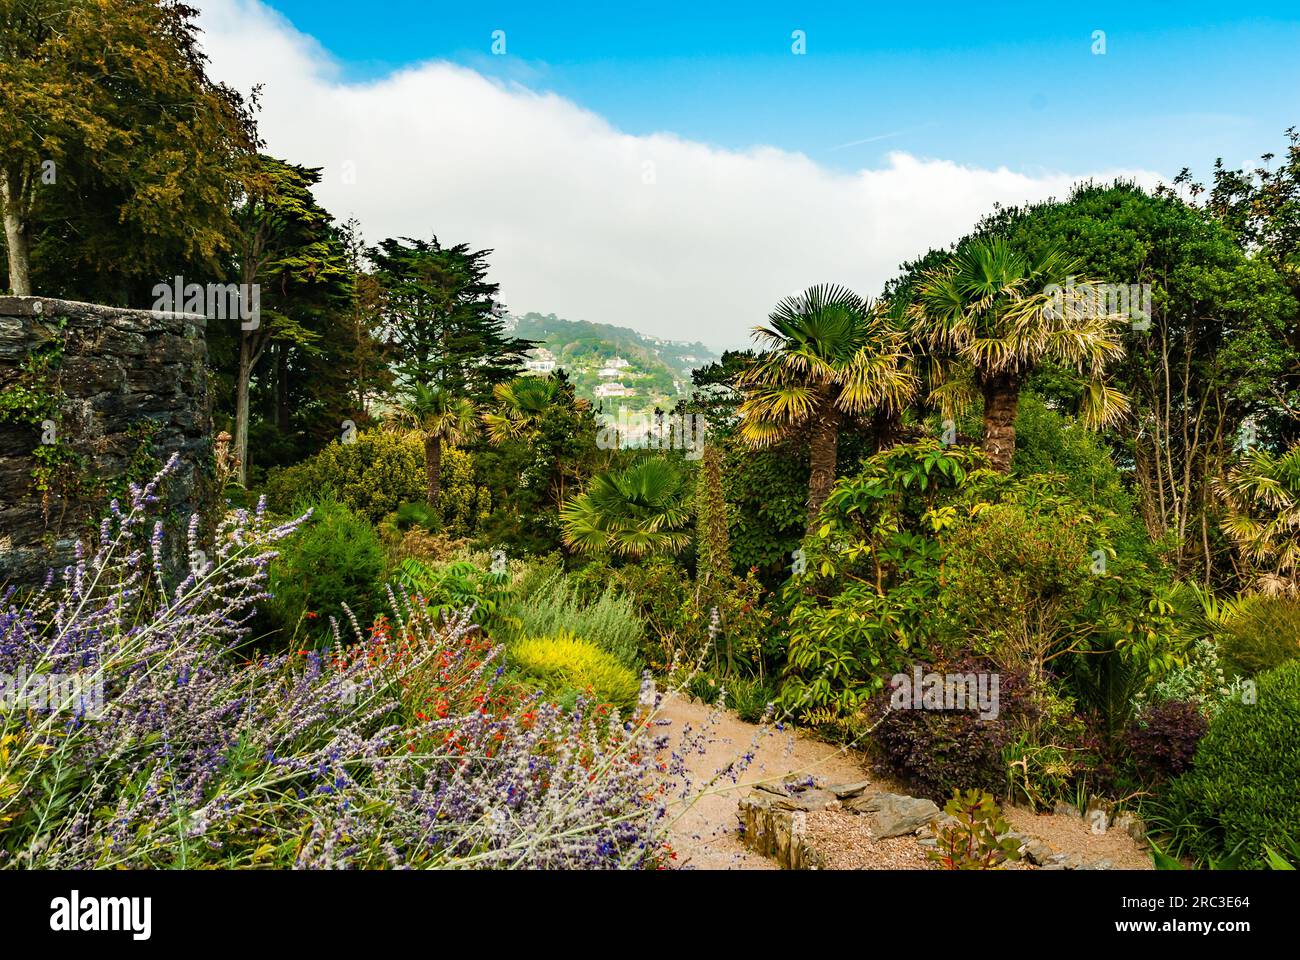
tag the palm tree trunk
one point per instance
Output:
(433, 468)
(824, 451)
(885, 429)
(1001, 402)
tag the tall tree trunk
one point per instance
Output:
(12, 198)
(252, 344)
(271, 385)
(1001, 401)
(282, 388)
(433, 468)
(241, 408)
(824, 451)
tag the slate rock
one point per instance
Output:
(1063, 861)
(1036, 852)
(846, 791)
(894, 814)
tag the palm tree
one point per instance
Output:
(991, 316)
(1262, 497)
(437, 416)
(520, 404)
(831, 356)
(636, 512)
(521, 412)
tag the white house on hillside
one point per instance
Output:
(614, 367)
(540, 360)
(615, 389)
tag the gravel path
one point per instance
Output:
(704, 837)
(1072, 835)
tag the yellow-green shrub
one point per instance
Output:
(374, 475)
(564, 662)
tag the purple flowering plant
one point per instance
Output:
(409, 746)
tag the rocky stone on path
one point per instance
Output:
(806, 794)
(1063, 861)
(774, 822)
(1065, 809)
(1036, 852)
(776, 831)
(807, 801)
(847, 791)
(1131, 824)
(1075, 861)
(942, 820)
(1098, 814)
(893, 814)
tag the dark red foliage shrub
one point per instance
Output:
(1162, 739)
(938, 751)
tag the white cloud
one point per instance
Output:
(701, 251)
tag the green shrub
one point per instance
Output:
(1199, 680)
(976, 839)
(335, 559)
(1264, 634)
(1016, 577)
(927, 548)
(532, 575)
(747, 639)
(657, 587)
(864, 595)
(375, 475)
(1241, 791)
(416, 514)
(454, 587)
(748, 698)
(372, 476)
(1052, 442)
(565, 663)
(609, 621)
(767, 491)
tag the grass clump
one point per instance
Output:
(610, 622)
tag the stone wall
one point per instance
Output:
(121, 376)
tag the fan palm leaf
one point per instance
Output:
(635, 512)
(520, 403)
(438, 417)
(830, 354)
(997, 314)
(1261, 496)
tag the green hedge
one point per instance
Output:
(1242, 790)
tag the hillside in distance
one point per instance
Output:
(613, 366)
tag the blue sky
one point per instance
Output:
(677, 169)
(985, 84)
